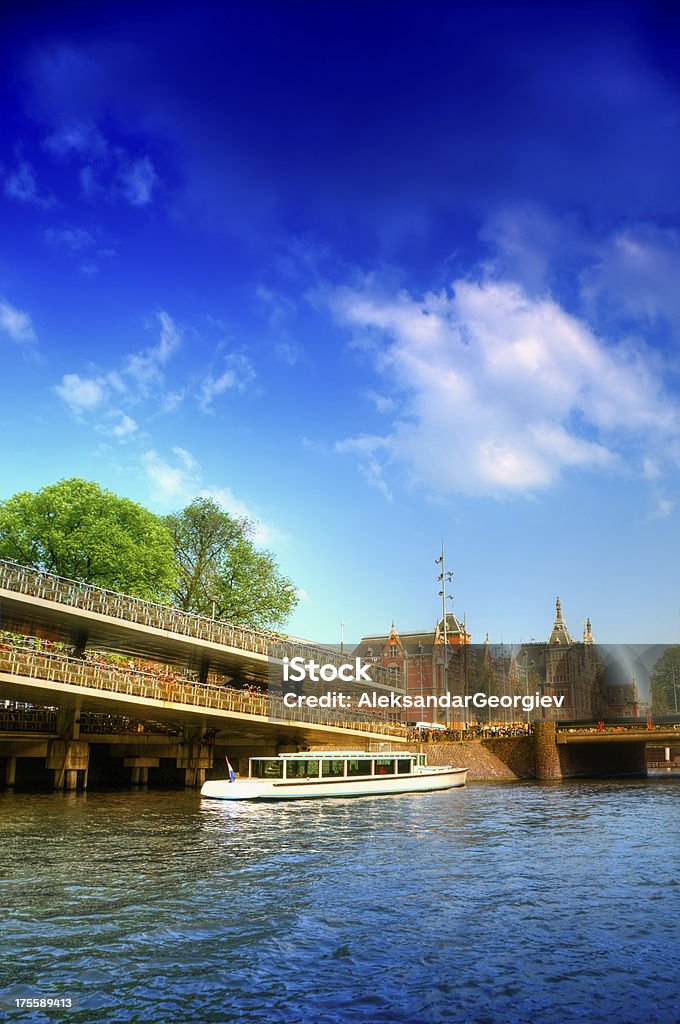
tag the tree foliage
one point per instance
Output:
(665, 682)
(76, 529)
(221, 570)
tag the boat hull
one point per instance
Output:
(427, 781)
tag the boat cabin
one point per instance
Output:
(348, 764)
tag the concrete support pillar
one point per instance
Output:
(67, 759)
(195, 756)
(546, 752)
(139, 768)
(10, 771)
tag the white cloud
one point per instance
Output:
(80, 393)
(22, 186)
(382, 403)
(663, 507)
(186, 459)
(174, 482)
(125, 426)
(288, 352)
(636, 274)
(179, 481)
(239, 373)
(73, 239)
(501, 393)
(76, 138)
(365, 447)
(263, 533)
(15, 323)
(138, 180)
(146, 367)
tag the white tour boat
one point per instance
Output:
(335, 773)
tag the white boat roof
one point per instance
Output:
(337, 755)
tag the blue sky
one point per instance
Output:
(375, 275)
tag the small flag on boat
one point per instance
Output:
(232, 773)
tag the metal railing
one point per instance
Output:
(19, 717)
(28, 663)
(85, 596)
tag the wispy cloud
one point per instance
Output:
(76, 137)
(138, 180)
(172, 481)
(500, 393)
(382, 403)
(21, 185)
(140, 375)
(237, 375)
(124, 426)
(635, 274)
(70, 238)
(146, 367)
(15, 324)
(177, 480)
(366, 448)
(109, 171)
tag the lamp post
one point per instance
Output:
(214, 599)
(444, 578)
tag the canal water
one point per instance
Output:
(497, 903)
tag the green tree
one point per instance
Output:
(665, 682)
(77, 529)
(221, 570)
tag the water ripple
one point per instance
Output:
(494, 904)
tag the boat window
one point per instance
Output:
(358, 767)
(266, 769)
(332, 769)
(421, 760)
(404, 766)
(384, 766)
(302, 769)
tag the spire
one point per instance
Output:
(560, 634)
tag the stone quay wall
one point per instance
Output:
(504, 758)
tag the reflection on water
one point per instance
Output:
(496, 903)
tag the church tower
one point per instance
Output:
(560, 634)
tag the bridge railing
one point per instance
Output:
(51, 667)
(73, 593)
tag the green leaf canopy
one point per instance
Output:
(222, 572)
(77, 529)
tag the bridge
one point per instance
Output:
(586, 751)
(210, 718)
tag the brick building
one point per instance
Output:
(417, 663)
